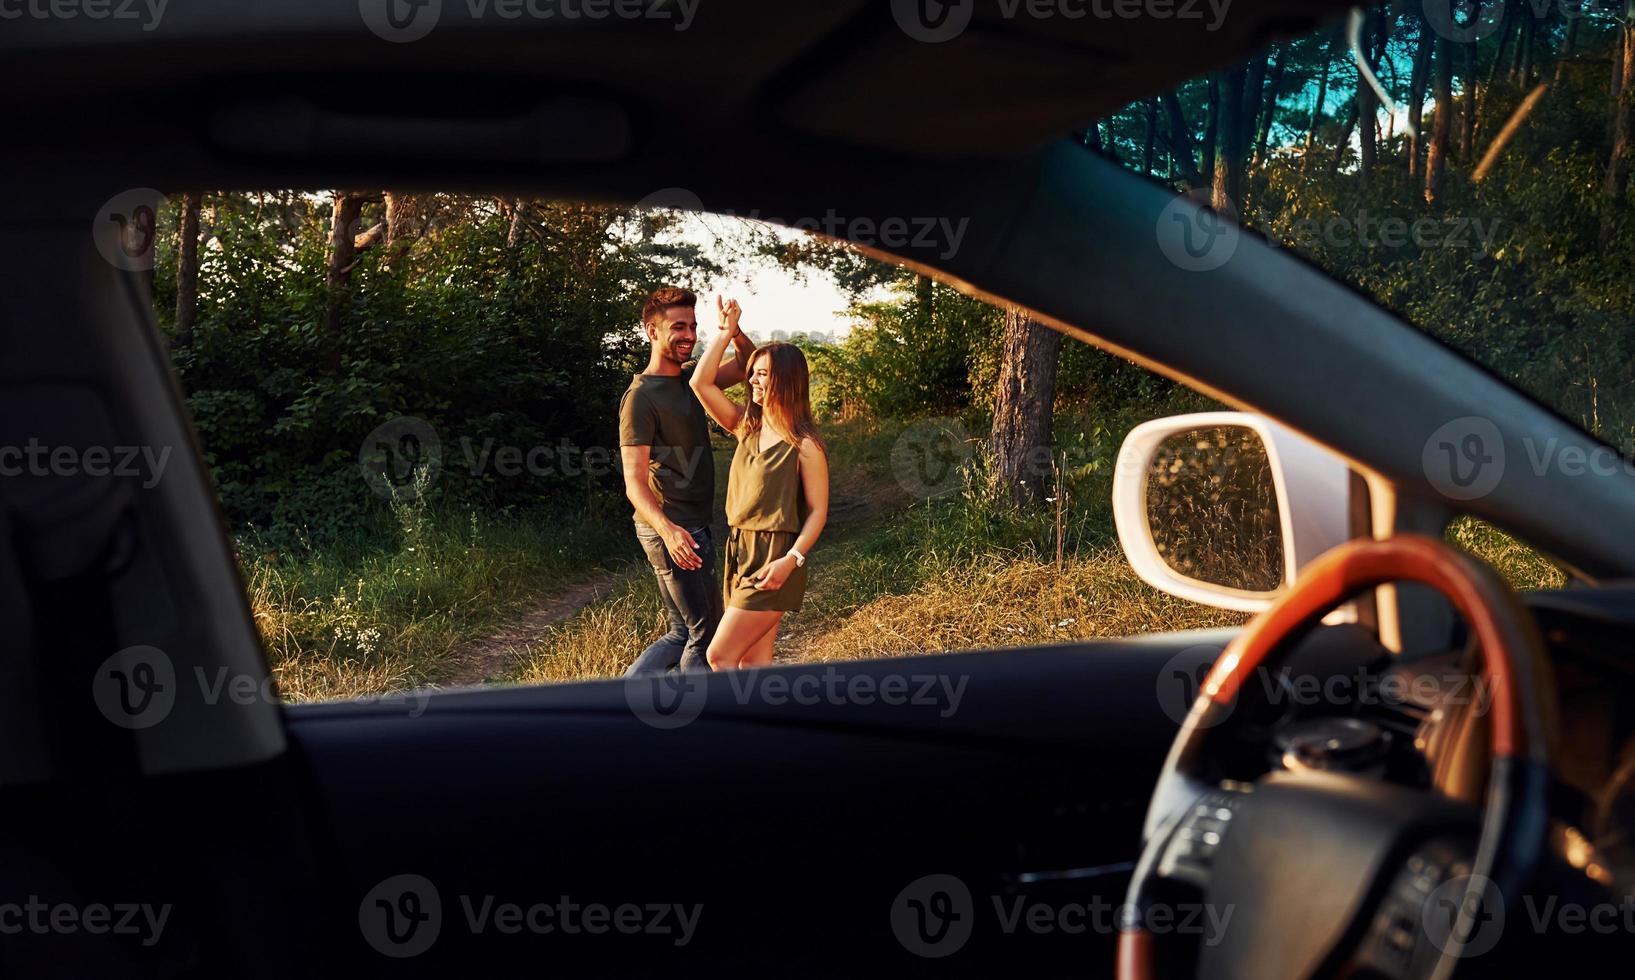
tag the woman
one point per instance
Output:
(777, 492)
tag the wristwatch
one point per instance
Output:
(800, 559)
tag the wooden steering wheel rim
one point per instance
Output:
(1512, 655)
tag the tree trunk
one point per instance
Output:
(1212, 125)
(1467, 136)
(513, 236)
(1616, 184)
(1508, 23)
(1273, 83)
(1343, 144)
(1254, 85)
(923, 295)
(1317, 107)
(1180, 141)
(187, 269)
(1526, 51)
(1151, 110)
(1229, 161)
(1023, 407)
(1569, 47)
(1442, 92)
(1416, 93)
(1092, 136)
(343, 253)
(1368, 111)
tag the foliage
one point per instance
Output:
(493, 346)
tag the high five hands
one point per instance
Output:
(729, 311)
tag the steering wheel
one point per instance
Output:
(1324, 871)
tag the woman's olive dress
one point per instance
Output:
(765, 510)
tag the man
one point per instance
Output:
(669, 476)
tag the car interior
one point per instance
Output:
(267, 831)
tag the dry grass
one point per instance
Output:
(601, 641)
(985, 605)
(1020, 603)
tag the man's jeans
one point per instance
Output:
(693, 600)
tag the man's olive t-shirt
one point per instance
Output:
(662, 412)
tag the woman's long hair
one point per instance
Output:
(788, 395)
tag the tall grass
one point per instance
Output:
(1522, 566)
(362, 615)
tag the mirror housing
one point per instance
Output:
(1312, 486)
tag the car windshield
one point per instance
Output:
(1465, 164)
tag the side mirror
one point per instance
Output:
(1225, 508)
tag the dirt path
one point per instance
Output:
(492, 656)
(856, 502)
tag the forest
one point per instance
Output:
(1481, 192)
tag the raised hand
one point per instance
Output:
(729, 311)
